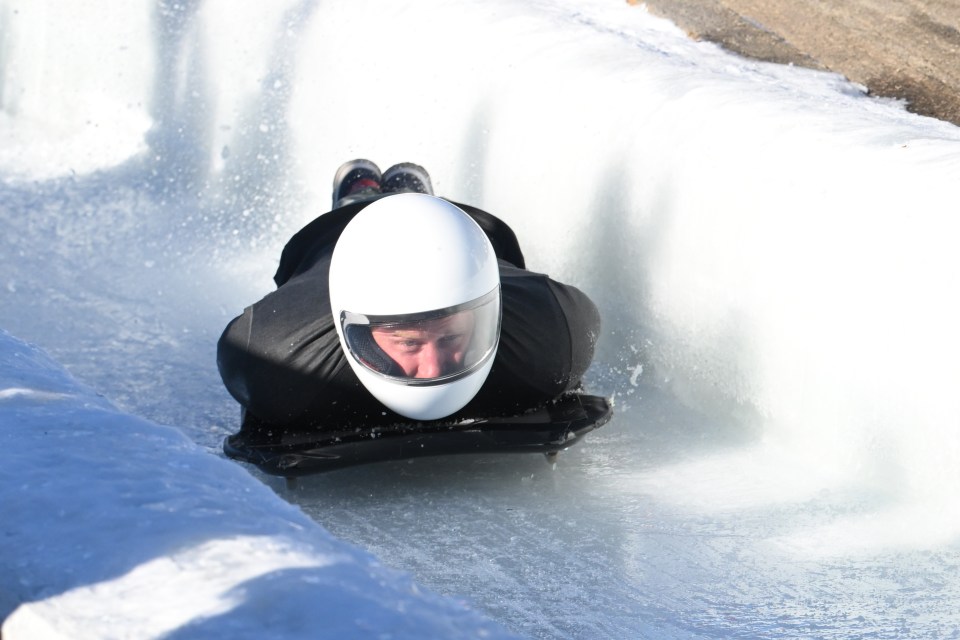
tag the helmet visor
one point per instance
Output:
(432, 347)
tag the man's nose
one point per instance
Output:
(429, 365)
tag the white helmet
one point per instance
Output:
(415, 297)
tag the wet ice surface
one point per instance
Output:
(589, 549)
(693, 513)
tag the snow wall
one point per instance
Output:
(150, 536)
(774, 244)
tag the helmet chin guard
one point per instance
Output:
(415, 295)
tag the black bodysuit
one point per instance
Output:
(282, 360)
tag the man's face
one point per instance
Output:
(428, 349)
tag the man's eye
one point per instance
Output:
(451, 340)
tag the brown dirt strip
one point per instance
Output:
(906, 49)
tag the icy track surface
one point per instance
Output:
(773, 253)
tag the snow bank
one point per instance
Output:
(765, 240)
(115, 527)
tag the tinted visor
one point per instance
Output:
(432, 347)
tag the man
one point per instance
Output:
(398, 306)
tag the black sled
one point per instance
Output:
(549, 430)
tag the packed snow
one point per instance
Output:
(772, 251)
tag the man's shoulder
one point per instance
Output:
(502, 237)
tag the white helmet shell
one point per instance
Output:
(414, 280)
